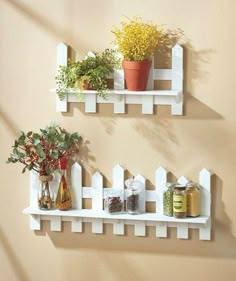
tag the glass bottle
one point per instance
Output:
(168, 200)
(133, 196)
(179, 201)
(45, 201)
(193, 199)
(114, 201)
(63, 199)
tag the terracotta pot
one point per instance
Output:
(136, 74)
(86, 86)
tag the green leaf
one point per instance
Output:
(16, 143)
(49, 170)
(54, 153)
(40, 152)
(21, 155)
(75, 136)
(36, 141)
(43, 131)
(24, 169)
(30, 166)
(21, 140)
(40, 160)
(36, 136)
(21, 134)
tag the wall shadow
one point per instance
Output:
(222, 244)
(14, 261)
(9, 123)
(45, 23)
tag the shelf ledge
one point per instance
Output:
(87, 213)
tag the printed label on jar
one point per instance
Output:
(179, 203)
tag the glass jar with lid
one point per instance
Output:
(179, 201)
(168, 199)
(193, 199)
(133, 196)
(114, 201)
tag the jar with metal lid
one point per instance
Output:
(114, 201)
(179, 201)
(133, 196)
(168, 199)
(193, 199)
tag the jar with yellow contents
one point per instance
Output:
(193, 199)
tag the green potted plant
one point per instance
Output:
(42, 152)
(137, 41)
(90, 73)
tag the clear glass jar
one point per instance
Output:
(193, 199)
(168, 200)
(133, 196)
(114, 201)
(45, 201)
(179, 201)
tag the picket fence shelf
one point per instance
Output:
(119, 97)
(97, 216)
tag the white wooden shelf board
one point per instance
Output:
(97, 216)
(87, 213)
(120, 96)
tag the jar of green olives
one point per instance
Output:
(168, 200)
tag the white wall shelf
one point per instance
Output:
(119, 97)
(97, 216)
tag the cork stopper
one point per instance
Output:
(46, 178)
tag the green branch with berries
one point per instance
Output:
(42, 151)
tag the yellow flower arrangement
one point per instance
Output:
(138, 40)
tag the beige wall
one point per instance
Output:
(204, 137)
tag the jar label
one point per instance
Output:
(179, 203)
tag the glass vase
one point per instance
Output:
(45, 201)
(63, 199)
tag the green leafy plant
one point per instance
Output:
(42, 151)
(137, 40)
(91, 73)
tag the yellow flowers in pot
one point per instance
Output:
(138, 40)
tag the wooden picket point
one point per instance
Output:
(98, 216)
(182, 180)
